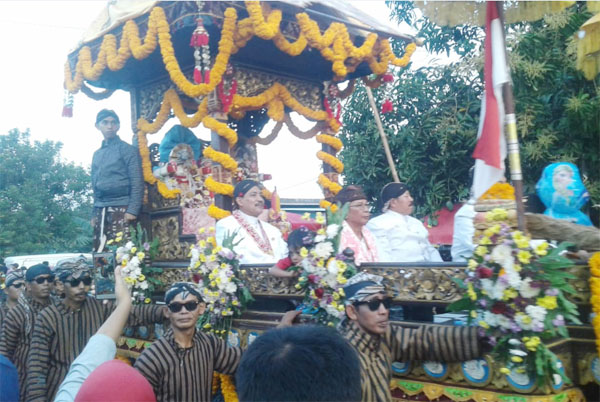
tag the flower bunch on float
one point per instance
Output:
(499, 191)
(516, 292)
(216, 269)
(324, 272)
(133, 253)
(595, 300)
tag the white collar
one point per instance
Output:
(253, 220)
(397, 214)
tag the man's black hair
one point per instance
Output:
(300, 363)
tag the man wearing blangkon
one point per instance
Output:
(116, 181)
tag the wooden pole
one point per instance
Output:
(512, 140)
(386, 147)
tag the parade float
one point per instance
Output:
(231, 67)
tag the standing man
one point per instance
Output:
(399, 236)
(18, 325)
(117, 182)
(14, 286)
(62, 331)
(367, 328)
(180, 365)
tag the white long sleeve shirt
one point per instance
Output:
(462, 237)
(402, 238)
(247, 247)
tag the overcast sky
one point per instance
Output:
(36, 37)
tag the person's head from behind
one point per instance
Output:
(114, 381)
(39, 279)
(299, 363)
(358, 213)
(184, 304)
(367, 303)
(248, 197)
(107, 121)
(298, 239)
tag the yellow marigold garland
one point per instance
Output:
(220, 157)
(331, 160)
(330, 140)
(324, 182)
(334, 44)
(326, 204)
(228, 388)
(595, 299)
(222, 129)
(172, 102)
(217, 213)
(499, 191)
(218, 188)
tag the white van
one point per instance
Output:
(30, 260)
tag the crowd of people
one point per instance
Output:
(57, 342)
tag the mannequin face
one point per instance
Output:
(252, 203)
(403, 204)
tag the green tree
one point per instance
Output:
(45, 203)
(432, 130)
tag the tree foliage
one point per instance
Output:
(45, 203)
(432, 130)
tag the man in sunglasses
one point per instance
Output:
(62, 330)
(180, 365)
(14, 285)
(378, 344)
(17, 327)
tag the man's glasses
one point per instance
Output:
(189, 306)
(375, 303)
(41, 279)
(17, 285)
(87, 281)
(364, 205)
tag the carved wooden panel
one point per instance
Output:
(167, 230)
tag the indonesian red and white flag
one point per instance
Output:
(490, 151)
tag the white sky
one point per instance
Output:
(36, 37)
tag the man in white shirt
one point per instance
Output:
(462, 236)
(399, 236)
(259, 242)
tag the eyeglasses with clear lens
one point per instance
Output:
(87, 281)
(189, 306)
(41, 279)
(375, 303)
(17, 285)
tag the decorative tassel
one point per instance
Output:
(197, 75)
(67, 105)
(206, 76)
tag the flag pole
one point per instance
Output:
(386, 147)
(512, 140)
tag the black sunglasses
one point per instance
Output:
(189, 306)
(87, 281)
(42, 279)
(17, 285)
(375, 303)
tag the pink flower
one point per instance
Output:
(387, 106)
(388, 77)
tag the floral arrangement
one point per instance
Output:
(134, 253)
(324, 272)
(216, 269)
(516, 292)
(499, 191)
(595, 300)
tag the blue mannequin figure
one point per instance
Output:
(561, 190)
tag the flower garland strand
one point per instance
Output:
(218, 188)
(324, 182)
(334, 45)
(595, 299)
(331, 160)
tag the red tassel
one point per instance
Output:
(67, 111)
(197, 75)
(207, 76)
(387, 106)
(202, 39)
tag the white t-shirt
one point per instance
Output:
(402, 238)
(248, 248)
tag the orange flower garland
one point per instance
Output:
(499, 191)
(217, 213)
(219, 188)
(227, 387)
(331, 160)
(324, 182)
(326, 204)
(222, 129)
(595, 299)
(220, 157)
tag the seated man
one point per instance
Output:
(259, 242)
(303, 363)
(367, 328)
(399, 236)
